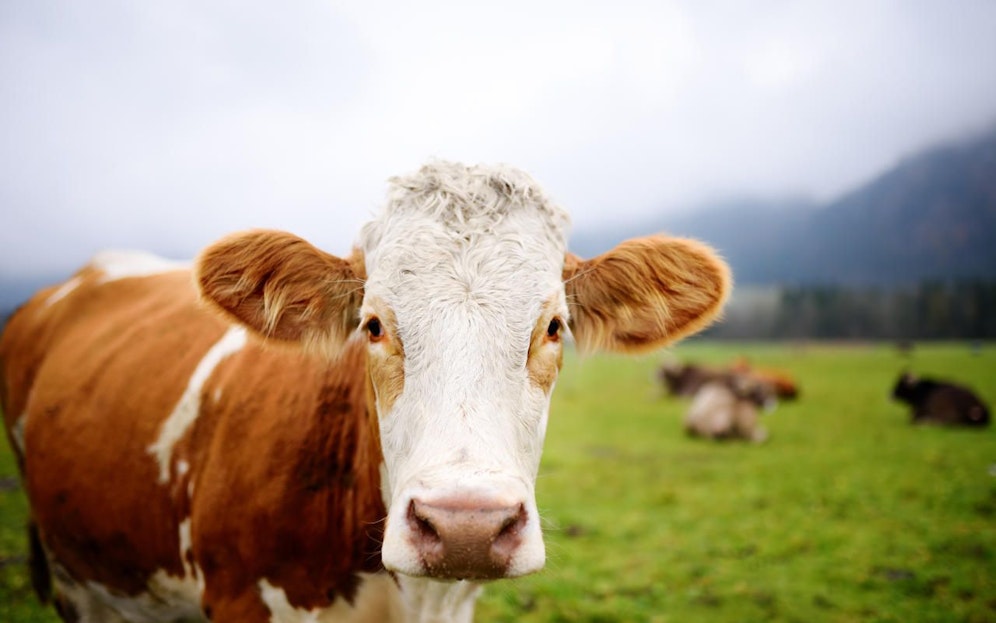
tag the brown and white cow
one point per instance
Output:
(279, 434)
(685, 379)
(729, 408)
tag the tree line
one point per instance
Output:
(928, 310)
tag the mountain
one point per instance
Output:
(932, 216)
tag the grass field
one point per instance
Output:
(847, 513)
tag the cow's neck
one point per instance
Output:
(429, 601)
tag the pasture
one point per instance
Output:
(847, 513)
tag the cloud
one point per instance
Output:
(166, 125)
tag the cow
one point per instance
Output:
(940, 402)
(276, 433)
(685, 379)
(728, 408)
(784, 386)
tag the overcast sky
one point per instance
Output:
(164, 125)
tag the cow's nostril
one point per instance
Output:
(507, 539)
(420, 524)
(513, 523)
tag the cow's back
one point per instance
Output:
(946, 403)
(164, 451)
(712, 412)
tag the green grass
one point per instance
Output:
(848, 513)
(17, 599)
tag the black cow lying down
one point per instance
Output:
(940, 402)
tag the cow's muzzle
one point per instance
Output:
(465, 539)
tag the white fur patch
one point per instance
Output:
(122, 264)
(377, 601)
(17, 432)
(425, 600)
(63, 291)
(189, 405)
(192, 571)
(167, 598)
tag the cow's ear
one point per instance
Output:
(644, 293)
(283, 288)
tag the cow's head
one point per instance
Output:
(464, 294)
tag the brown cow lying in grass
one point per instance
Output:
(728, 408)
(940, 402)
(685, 379)
(781, 382)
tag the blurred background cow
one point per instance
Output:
(940, 402)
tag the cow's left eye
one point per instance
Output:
(374, 329)
(553, 330)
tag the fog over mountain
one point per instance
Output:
(933, 216)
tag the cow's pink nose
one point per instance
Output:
(465, 538)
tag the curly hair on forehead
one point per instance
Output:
(471, 198)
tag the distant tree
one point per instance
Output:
(929, 310)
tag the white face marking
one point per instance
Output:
(122, 264)
(189, 405)
(467, 273)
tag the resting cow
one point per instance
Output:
(324, 438)
(685, 379)
(939, 402)
(728, 408)
(784, 386)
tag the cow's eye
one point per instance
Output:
(374, 330)
(553, 329)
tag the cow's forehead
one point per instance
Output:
(472, 221)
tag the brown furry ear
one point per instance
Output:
(282, 287)
(645, 293)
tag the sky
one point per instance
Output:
(165, 125)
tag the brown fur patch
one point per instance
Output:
(308, 517)
(546, 353)
(114, 362)
(386, 361)
(644, 293)
(283, 456)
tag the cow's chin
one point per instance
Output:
(463, 539)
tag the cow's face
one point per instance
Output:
(463, 294)
(464, 314)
